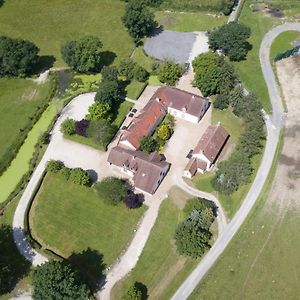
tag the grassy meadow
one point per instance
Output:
(68, 218)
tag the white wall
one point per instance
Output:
(183, 115)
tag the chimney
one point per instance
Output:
(157, 99)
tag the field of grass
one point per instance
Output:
(19, 99)
(198, 21)
(159, 268)
(20, 165)
(68, 219)
(262, 261)
(283, 42)
(51, 23)
(134, 89)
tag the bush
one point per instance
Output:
(126, 68)
(221, 101)
(198, 204)
(17, 57)
(109, 73)
(140, 74)
(83, 55)
(58, 280)
(54, 166)
(66, 172)
(169, 72)
(108, 92)
(79, 176)
(132, 200)
(99, 111)
(68, 127)
(133, 293)
(81, 127)
(112, 190)
(231, 38)
(164, 132)
(148, 144)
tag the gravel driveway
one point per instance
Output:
(171, 45)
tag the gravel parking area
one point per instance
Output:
(171, 45)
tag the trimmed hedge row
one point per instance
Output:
(287, 53)
(14, 148)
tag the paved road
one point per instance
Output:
(273, 125)
(233, 16)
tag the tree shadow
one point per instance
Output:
(1, 2)
(107, 58)
(141, 287)
(13, 265)
(90, 264)
(45, 62)
(156, 31)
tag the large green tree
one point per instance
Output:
(138, 19)
(169, 72)
(17, 57)
(83, 55)
(231, 38)
(108, 92)
(57, 280)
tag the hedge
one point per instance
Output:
(287, 53)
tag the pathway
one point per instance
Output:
(273, 125)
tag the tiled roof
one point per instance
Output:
(212, 142)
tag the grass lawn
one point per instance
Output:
(123, 110)
(189, 21)
(143, 59)
(68, 218)
(20, 165)
(262, 261)
(283, 42)
(153, 80)
(160, 268)
(54, 22)
(134, 89)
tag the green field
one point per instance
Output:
(197, 21)
(160, 268)
(262, 261)
(283, 42)
(51, 23)
(68, 219)
(19, 99)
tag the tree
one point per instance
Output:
(140, 74)
(198, 204)
(169, 120)
(221, 101)
(108, 92)
(126, 68)
(109, 73)
(79, 176)
(81, 127)
(164, 132)
(138, 19)
(132, 200)
(133, 293)
(148, 144)
(68, 127)
(57, 280)
(54, 166)
(169, 72)
(231, 38)
(112, 190)
(99, 111)
(17, 57)
(101, 132)
(83, 55)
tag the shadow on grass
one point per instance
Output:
(108, 58)
(90, 264)
(141, 287)
(1, 2)
(45, 62)
(13, 266)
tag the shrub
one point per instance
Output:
(132, 200)
(58, 280)
(66, 172)
(54, 166)
(83, 55)
(126, 68)
(81, 127)
(221, 101)
(164, 132)
(17, 57)
(148, 144)
(140, 74)
(108, 92)
(169, 72)
(68, 127)
(99, 111)
(198, 204)
(112, 190)
(79, 176)
(109, 73)
(133, 293)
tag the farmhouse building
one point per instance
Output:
(147, 170)
(207, 150)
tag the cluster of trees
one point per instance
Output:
(139, 19)
(237, 170)
(162, 134)
(114, 190)
(231, 39)
(192, 235)
(17, 57)
(129, 69)
(58, 280)
(83, 55)
(213, 75)
(76, 175)
(169, 72)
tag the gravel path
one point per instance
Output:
(273, 125)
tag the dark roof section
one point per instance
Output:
(146, 167)
(212, 142)
(181, 100)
